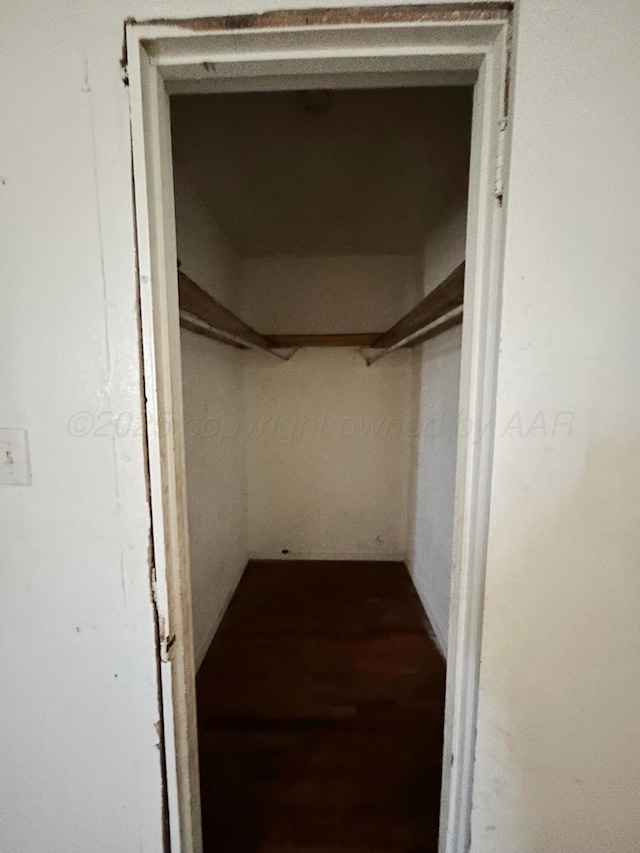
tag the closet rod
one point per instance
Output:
(204, 315)
(201, 327)
(437, 311)
(449, 294)
(451, 318)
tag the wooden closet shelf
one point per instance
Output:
(439, 310)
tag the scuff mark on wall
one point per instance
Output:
(86, 86)
(124, 56)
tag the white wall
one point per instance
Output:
(80, 763)
(327, 455)
(212, 385)
(328, 438)
(433, 487)
(432, 482)
(558, 754)
(557, 765)
(311, 295)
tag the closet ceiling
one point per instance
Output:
(313, 173)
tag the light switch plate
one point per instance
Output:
(15, 469)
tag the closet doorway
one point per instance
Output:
(321, 238)
(314, 237)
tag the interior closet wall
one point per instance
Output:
(213, 409)
(328, 446)
(326, 198)
(437, 385)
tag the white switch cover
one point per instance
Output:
(14, 458)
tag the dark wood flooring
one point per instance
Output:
(320, 714)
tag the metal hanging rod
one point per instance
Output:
(451, 318)
(439, 310)
(198, 325)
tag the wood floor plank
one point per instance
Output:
(320, 714)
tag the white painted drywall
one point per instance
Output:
(558, 749)
(212, 384)
(328, 438)
(327, 455)
(557, 765)
(81, 769)
(432, 481)
(298, 182)
(433, 486)
(284, 294)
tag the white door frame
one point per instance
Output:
(307, 49)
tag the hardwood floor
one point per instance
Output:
(320, 714)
